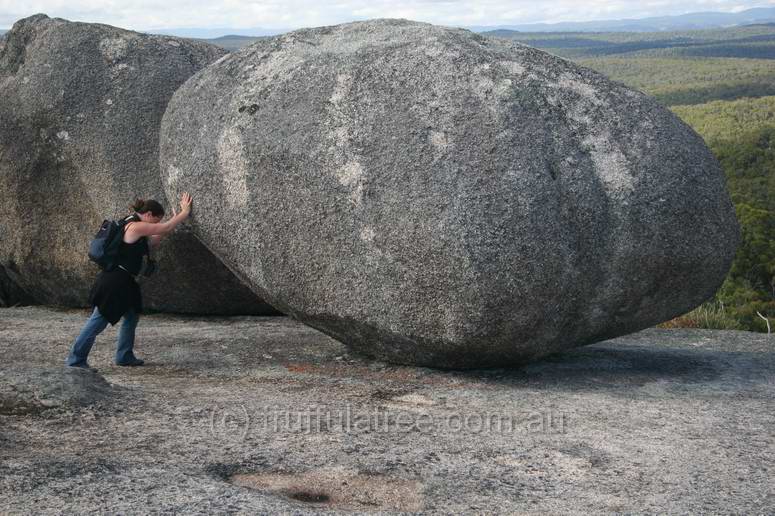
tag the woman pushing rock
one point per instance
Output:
(116, 293)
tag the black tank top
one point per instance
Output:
(130, 256)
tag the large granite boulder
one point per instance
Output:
(430, 196)
(79, 126)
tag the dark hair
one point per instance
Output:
(143, 206)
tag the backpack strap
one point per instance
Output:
(130, 218)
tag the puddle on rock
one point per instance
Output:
(338, 488)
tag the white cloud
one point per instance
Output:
(285, 14)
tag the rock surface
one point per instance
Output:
(25, 390)
(430, 196)
(79, 126)
(658, 422)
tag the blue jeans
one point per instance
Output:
(93, 327)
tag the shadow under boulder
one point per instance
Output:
(10, 293)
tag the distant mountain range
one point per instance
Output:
(218, 33)
(705, 20)
(689, 21)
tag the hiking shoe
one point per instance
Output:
(85, 366)
(133, 362)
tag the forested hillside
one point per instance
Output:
(750, 41)
(741, 134)
(680, 81)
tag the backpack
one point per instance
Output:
(103, 249)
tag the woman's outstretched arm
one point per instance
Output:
(137, 230)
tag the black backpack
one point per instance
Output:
(103, 249)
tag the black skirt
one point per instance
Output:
(114, 293)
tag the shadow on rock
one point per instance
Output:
(602, 367)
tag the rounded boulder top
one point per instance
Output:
(432, 196)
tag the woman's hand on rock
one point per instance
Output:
(185, 203)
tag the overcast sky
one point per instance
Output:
(290, 14)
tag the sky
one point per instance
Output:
(145, 15)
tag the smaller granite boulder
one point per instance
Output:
(79, 124)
